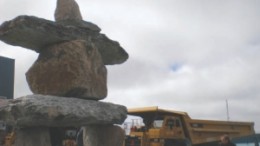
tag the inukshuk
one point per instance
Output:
(68, 79)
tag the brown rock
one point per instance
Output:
(32, 137)
(71, 69)
(67, 10)
(103, 135)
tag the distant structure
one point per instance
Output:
(6, 77)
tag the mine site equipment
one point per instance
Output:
(174, 128)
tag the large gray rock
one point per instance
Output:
(36, 33)
(51, 111)
(105, 135)
(67, 10)
(72, 68)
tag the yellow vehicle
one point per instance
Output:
(173, 128)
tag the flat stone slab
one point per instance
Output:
(35, 33)
(53, 111)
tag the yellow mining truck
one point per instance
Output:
(173, 128)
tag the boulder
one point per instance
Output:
(52, 111)
(67, 10)
(67, 13)
(72, 68)
(105, 135)
(36, 34)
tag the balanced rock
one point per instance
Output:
(71, 69)
(103, 135)
(52, 111)
(36, 34)
(67, 10)
(67, 13)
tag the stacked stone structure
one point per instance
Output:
(67, 80)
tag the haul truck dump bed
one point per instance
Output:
(173, 128)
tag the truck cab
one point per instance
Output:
(158, 129)
(166, 131)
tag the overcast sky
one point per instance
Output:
(185, 55)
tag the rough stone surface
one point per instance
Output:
(105, 135)
(73, 69)
(3, 102)
(67, 13)
(80, 24)
(32, 137)
(67, 10)
(36, 33)
(51, 111)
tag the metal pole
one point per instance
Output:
(227, 110)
